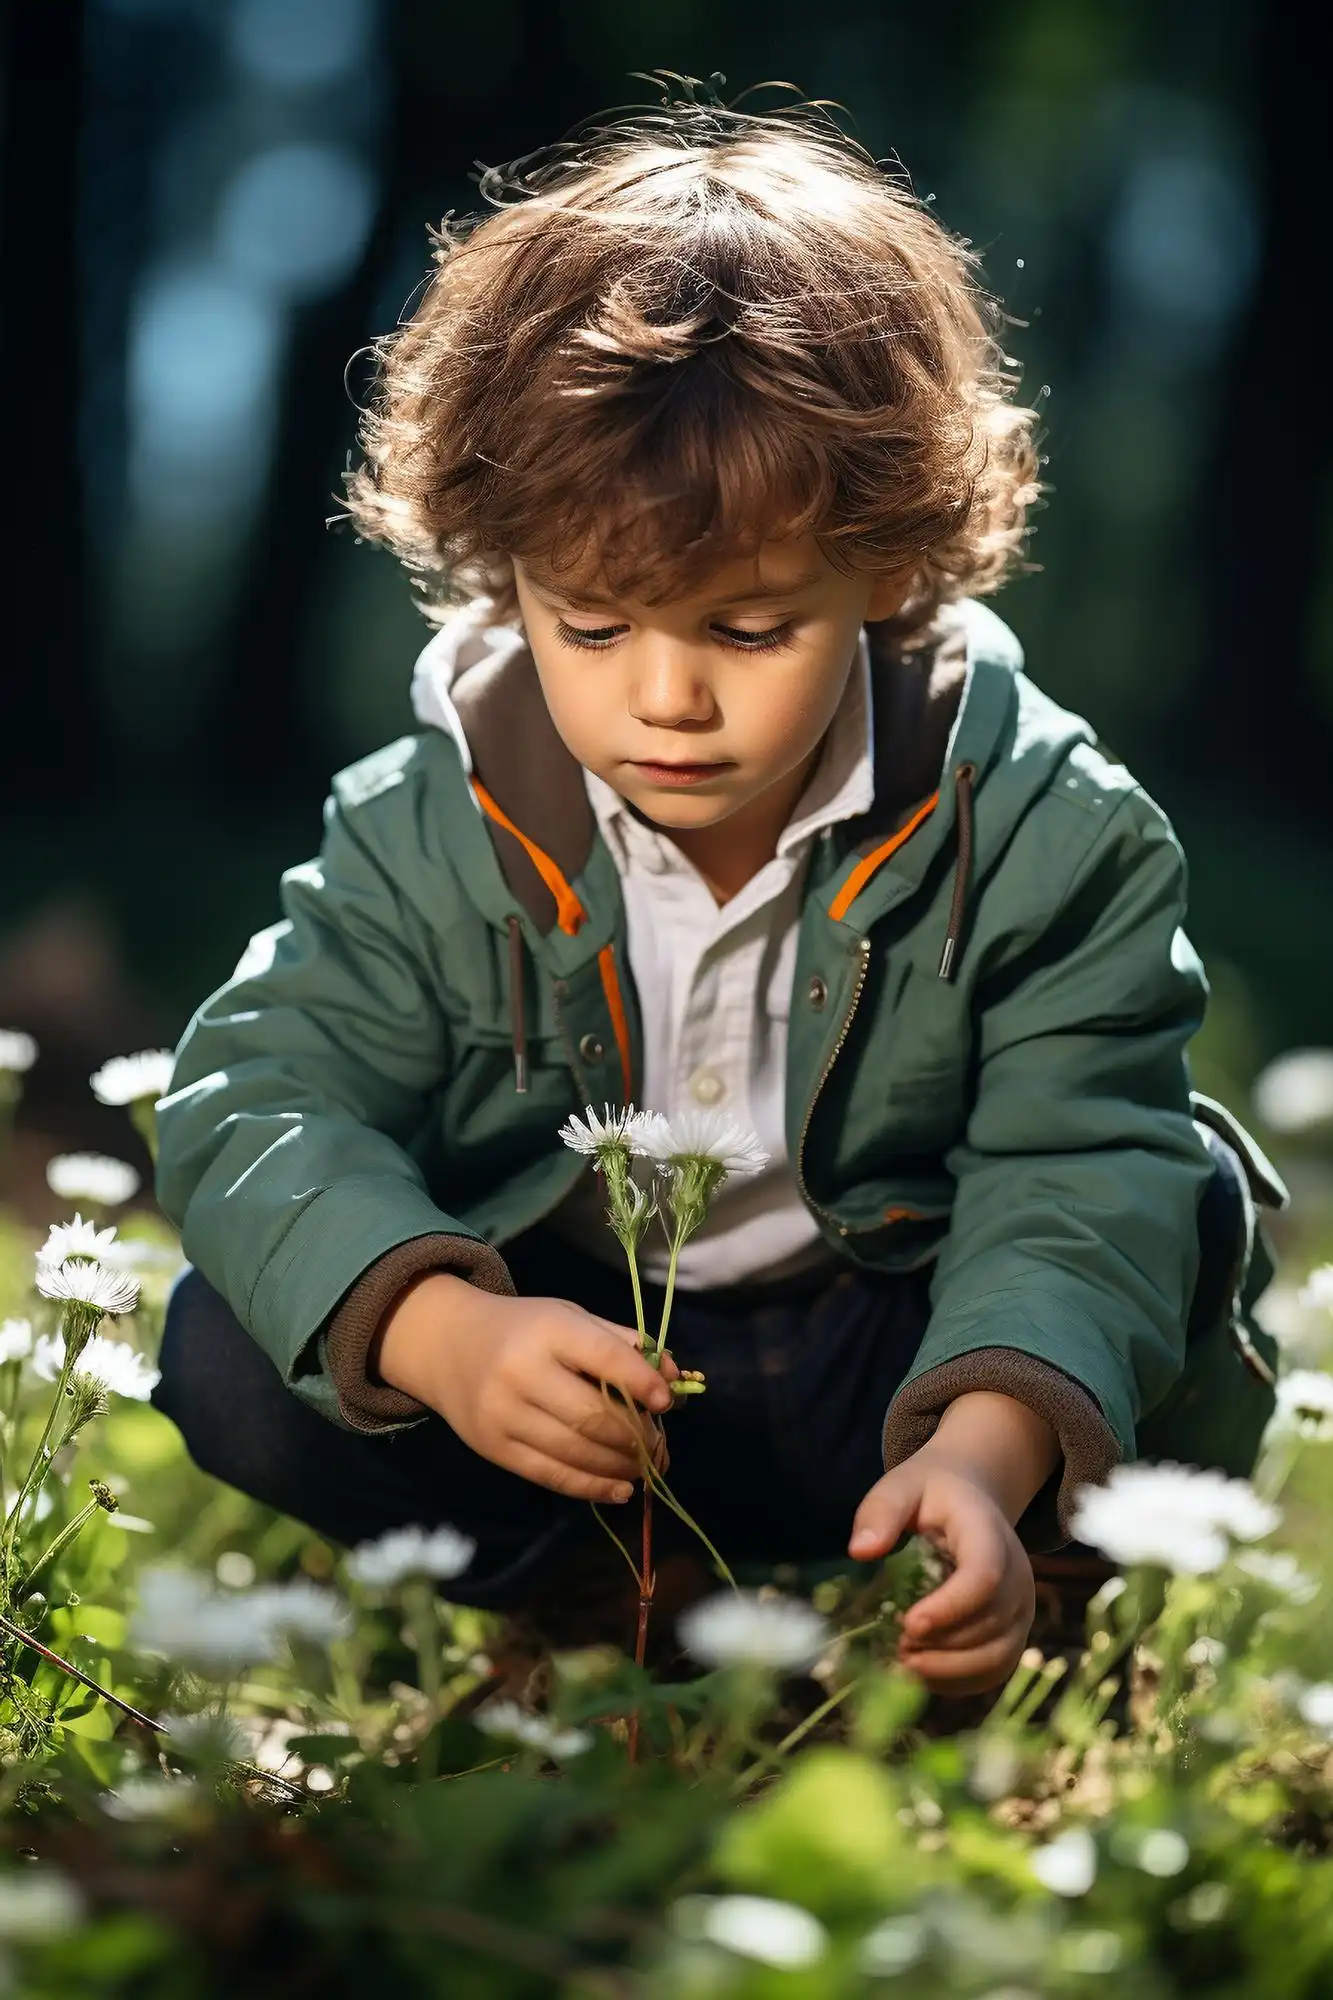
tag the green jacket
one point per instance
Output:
(1019, 1114)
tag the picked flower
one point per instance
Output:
(712, 1138)
(442, 1552)
(1178, 1517)
(75, 1282)
(15, 1339)
(593, 1136)
(114, 1364)
(741, 1628)
(18, 1052)
(92, 1177)
(506, 1718)
(76, 1239)
(1305, 1402)
(128, 1079)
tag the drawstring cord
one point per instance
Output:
(517, 1022)
(962, 783)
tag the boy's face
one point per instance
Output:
(694, 709)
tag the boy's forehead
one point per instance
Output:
(773, 569)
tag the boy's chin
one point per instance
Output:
(680, 812)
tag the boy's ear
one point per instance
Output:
(888, 594)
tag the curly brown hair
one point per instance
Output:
(683, 331)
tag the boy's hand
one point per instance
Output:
(989, 1457)
(519, 1381)
(967, 1635)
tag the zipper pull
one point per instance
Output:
(517, 1023)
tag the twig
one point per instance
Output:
(77, 1673)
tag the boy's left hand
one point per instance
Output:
(965, 1637)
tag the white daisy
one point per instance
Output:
(303, 1610)
(18, 1052)
(1067, 1865)
(15, 1339)
(698, 1135)
(180, 1617)
(506, 1718)
(35, 1905)
(112, 1363)
(1280, 1571)
(91, 1177)
(209, 1736)
(740, 1627)
(132, 1253)
(76, 1239)
(1305, 1402)
(217, 1632)
(1316, 1294)
(112, 1292)
(1295, 1093)
(126, 1079)
(1315, 1705)
(782, 1935)
(1176, 1516)
(590, 1134)
(403, 1552)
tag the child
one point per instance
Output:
(727, 793)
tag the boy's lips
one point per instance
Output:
(680, 774)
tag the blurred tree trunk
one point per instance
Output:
(47, 607)
(1254, 716)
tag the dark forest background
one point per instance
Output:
(211, 206)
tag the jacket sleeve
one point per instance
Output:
(299, 1086)
(1072, 1250)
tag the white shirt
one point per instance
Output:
(714, 988)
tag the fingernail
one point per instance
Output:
(622, 1493)
(864, 1538)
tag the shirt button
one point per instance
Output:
(591, 1049)
(816, 992)
(707, 1087)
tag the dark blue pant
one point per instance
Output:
(773, 1460)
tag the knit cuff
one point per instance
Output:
(1088, 1445)
(364, 1402)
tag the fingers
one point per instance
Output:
(533, 1428)
(568, 1480)
(974, 1670)
(669, 1369)
(885, 1515)
(604, 1418)
(979, 1545)
(593, 1347)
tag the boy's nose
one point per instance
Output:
(669, 689)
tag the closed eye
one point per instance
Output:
(596, 638)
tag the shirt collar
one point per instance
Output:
(841, 786)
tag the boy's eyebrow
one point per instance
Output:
(788, 587)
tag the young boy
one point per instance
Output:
(727, 792)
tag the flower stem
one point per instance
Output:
(647, 1583)
(676, 1242)
(63, 1539)
(35, 1477)
(76, 1673)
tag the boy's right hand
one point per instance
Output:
(518, 1380)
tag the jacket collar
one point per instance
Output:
(940, 701)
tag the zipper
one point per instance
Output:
(858, 985)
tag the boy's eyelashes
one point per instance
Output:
(595, 638)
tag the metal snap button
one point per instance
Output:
(591, 1049)
(816, 992)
